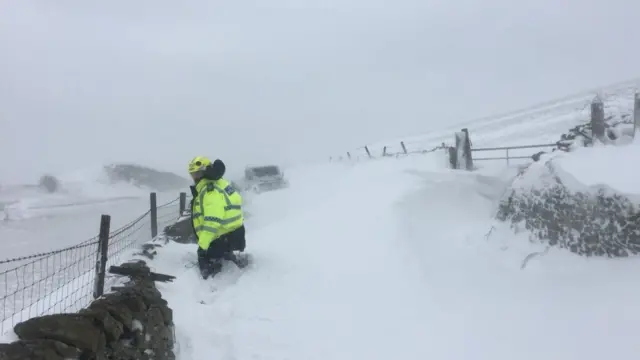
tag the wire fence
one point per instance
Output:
(605, 127)
(65, 280)
(615, 99)
(401, 149)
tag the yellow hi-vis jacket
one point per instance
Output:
(216, 210)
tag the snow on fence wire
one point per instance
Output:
(401, 149)
(66, 280)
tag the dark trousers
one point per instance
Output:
(223, 247)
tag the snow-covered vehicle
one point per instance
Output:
(264, 178)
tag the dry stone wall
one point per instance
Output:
(556, 209)
(133, 322)
(181, 231)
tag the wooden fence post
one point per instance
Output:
(183, 202)
(101, 256)
(384, 151)
(453, 158)
(458, 150)
(154, 214)
(597, 119)
(366, 148)
(636, 113)
(467, 150)
(404, 148)
(463, 150)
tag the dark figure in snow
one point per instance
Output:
(216, 215)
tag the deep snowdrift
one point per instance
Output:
(586, 200)
(389, 259)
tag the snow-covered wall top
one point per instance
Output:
(606, 166)
(585, 201)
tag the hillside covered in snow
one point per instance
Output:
(545, 123)
(396, 256)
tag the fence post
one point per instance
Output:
(453, 158)
(366, 148)
(636, 113)
(349, 155)
(463, 150)
(467, 149)
(183, 202)
(101, 257)
(456, 149)
(404, 148)
(597, 119)
(154, 214)
(384, 151)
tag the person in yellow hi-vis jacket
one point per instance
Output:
(216, 215)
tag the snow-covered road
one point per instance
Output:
(326, 282)
(388, 259)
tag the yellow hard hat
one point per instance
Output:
(198, 163)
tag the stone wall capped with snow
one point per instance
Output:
(134, 322)
(556, 207)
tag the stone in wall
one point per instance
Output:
(555, 208)
(132, 323)
(181, 231)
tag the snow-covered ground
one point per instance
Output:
(32, 221)
(615, 166)
(399, 258)
(62, 280)
(83, 186)
(540, 124)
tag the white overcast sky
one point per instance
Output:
(157, 82)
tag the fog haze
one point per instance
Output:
(159, 82)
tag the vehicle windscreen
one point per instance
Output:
(266, 171)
